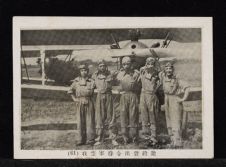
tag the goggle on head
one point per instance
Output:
(126, 62)
(169, 69)
(84, 70)
(102, 65)
(150, 62)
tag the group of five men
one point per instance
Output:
(95, 119)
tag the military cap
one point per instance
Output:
(126, 60)
(83, 66)
(102, 62)
(169, 64)
(149, 59)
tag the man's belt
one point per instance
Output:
(147, 91)
(168, 93)
(83, 100)
(104, 91)
(127, 92)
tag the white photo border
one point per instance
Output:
(41, 23)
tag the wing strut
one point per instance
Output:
(115, 41)
(164, 43)
(169, 42)
(42, 54)
(25, 65)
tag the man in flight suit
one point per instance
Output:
(128, 79)
(173, 109)
(149, 103)
(81, 92)
(104, 114)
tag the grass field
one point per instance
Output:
(50, 124)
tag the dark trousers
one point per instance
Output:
(85, 120)
(104, 115)
(149, 107)
(129, 115)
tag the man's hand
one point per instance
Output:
(114, 74)
(73, 98)
(186, 87)
(116, 91)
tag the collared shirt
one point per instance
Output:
(128, 80)
(170, 85)
(150, 81)
(103, 81)
(82, 87)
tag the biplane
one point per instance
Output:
(57, 70)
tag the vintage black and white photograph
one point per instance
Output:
(113, 87)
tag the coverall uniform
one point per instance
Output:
(149, 103)
(83, 89)
(173, 109)
(104, 113)
(129, 115)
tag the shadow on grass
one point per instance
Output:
(50, 127)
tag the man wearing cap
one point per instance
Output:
(104, 115)
(149, 103)
(173, 109)
(128, 79)
(81, 92)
